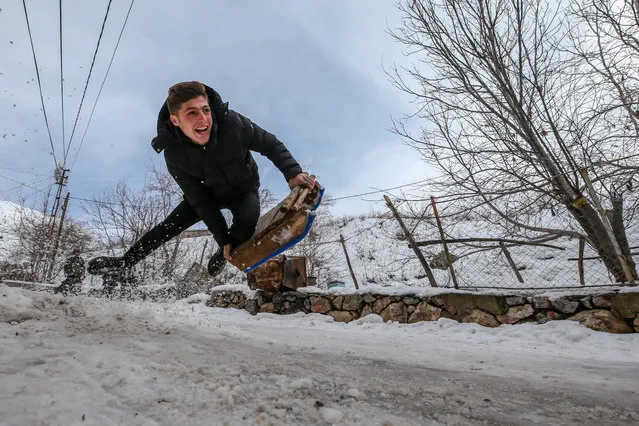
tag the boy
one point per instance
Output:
(207, 151)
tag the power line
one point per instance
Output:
(380, 190)
(102, 85)
(21, 184)
(94, 201)
(95, 54)
(35, 61)
(61, 80)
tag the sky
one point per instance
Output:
(312, 73)
(90, 361)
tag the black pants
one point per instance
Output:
(244, 208)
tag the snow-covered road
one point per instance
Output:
(66, 361)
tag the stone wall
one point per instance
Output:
(616, 312)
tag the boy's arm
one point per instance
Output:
(259, 140)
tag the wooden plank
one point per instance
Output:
(251, 252)
(277, 228)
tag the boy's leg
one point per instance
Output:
(246, 212)
(182, 217)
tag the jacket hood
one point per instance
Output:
(168, 133)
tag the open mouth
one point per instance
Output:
(201, 130)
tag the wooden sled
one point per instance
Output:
(280, 228)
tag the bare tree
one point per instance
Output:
(34, 232)
(605, 38)
(317, 247)
(509, 123)
(122, 215)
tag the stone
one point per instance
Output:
(366, 310)
(320, 305)
(409, 300)
(462, 304)
(544, 317)
(278, 299)
(290, 296)
(395, 312)
(369, 298)
(252, 307)
(338, 301)
(516, 313)
(267, 307)
(352, 302)
(602, 320)
(343, 316)
(635, 324)
(289, 308)
(515, 300)
(480, 317)
(410, 308)
(436, 301)
(602, 301)
(627, 304)
(381, 304)
(425, 312)
(263, 297)
(586, 302)
(301, 295)
(565, 305)
(541, 302)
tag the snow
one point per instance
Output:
(91, 361)
(9, 216)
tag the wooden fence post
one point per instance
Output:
(348, 261)
(580, 260)
(510, 261)
(449, 259)
(411, 240)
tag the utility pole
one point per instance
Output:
(61, 179)
(56, 243)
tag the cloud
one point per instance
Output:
(309, 72)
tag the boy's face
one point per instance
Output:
(195, 120)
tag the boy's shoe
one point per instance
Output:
(216, 262)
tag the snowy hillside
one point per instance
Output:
(9, 218)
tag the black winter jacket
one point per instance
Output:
(224, 168)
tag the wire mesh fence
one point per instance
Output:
(509, 265)
(474, 254)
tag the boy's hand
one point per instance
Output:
(227, 252)
(302, 179)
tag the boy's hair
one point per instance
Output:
(183, 92)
